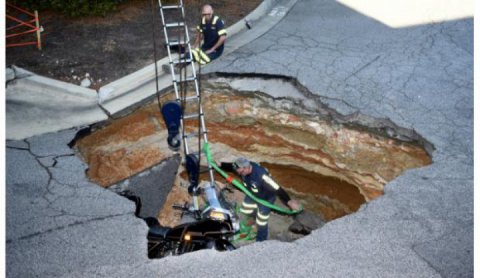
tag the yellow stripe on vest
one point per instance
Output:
(271, 182)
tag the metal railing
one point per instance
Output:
(20, 24)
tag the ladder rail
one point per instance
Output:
(165, 33)
(181, 84)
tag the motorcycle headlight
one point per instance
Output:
(217, 215)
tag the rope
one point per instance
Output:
(182, 75)
(155, 54)
(239, 185)
(199, 118)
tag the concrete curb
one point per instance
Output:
(124, 85)
(128, 83)
(38, 105)
(260, 11)
(51, 105)
(54, 85)
(140, 85)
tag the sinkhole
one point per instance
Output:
(331, 163)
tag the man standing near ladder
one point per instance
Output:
(261, 184)
(213, 33)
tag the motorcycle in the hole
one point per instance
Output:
(210, 228)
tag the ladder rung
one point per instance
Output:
(171, 7)
(182, 61)
(195, 134)
(174, 24)
(191, 98)
(191, 116)
(191, 135)
(176, 42)
(188, 79)
(194, 97)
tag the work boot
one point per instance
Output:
(245, 227)
(247, 231)
(246, 235)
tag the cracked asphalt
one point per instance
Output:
(55, 215)
(420, 77)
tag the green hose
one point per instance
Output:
(240, 186)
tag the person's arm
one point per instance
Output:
(220, 41)
(281, 193)
(198, 38)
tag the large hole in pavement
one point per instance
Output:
(330, 162)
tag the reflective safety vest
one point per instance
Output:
(260, 183)
(212, 31)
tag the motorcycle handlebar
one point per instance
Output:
(180, 207)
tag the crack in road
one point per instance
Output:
(51, 197)
(362, 68)
(76, 223)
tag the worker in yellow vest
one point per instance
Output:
(258, 180)
(212, 32)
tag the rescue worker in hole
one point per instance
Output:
(258, 180)
(212, 32)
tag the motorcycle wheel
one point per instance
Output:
(224, 245)
(158, 250)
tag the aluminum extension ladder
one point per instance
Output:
(191, 102)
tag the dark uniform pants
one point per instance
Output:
(262, 214)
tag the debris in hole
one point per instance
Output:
(305, 223)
